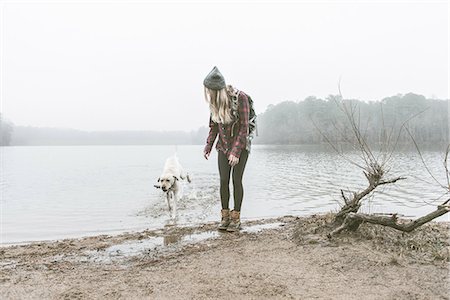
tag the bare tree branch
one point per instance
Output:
(334, 146)
(392, 221)
(447, 173)
(423, 161)
(343, 196)
(391, 181)
(404, 126)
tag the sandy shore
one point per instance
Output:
(284, 258)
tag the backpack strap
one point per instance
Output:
(235, 99)
(235, 108)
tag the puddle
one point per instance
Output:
(198, 237)
(151, 246)
(134, 247)
(167, 243)
(261, 227)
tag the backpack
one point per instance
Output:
(251, 118)
(252, 128)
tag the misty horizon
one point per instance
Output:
(5, 117)
(287, 122)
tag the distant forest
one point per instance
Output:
(302, 122)
(307, 121)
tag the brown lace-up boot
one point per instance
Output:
(225, 219)
(235, 223)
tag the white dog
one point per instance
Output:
(169, 182)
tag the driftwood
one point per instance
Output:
(391, 221)
(352, 205)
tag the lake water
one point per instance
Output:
(58, 192)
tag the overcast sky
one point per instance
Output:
(116, 65)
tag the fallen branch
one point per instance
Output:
(391, 221)
(352, 205)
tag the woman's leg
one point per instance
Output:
(224, 172)
(238, 172)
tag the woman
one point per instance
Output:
(229, 120)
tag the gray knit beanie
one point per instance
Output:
(214, 80)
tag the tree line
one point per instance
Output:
(312, 120)
(6, 130)
(304, 122)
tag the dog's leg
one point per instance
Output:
(168, 194)
(184, 175)
(176, 197)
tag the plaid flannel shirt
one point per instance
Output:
(232, 137)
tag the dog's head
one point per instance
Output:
(166, 182)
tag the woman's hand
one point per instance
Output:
(206, 154)
(233, 160)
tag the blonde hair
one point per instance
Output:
(219, 105)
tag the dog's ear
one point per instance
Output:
(176, 178)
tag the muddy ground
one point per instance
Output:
(284, 258)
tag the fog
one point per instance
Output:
(140, 65)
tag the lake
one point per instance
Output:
(54, 192)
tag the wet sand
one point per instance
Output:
(283, 258)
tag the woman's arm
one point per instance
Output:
(213, 130)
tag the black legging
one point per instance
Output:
(224, 172)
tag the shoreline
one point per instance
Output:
(156, 228)
(137, 230)
(287, 257)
